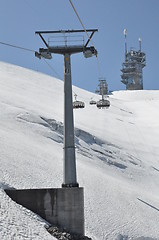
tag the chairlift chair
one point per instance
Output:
(78, 104)
(103, 103)
(92, 102)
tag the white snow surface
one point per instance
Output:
(117, 152)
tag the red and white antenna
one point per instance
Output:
(125, 33)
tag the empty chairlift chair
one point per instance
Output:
(78, 104)
(92, 102)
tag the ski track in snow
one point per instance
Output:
(117, 156)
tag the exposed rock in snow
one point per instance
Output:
(61, 234)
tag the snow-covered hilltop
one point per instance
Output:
(117, 153)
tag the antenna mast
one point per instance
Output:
(125, 34)
(140, 44)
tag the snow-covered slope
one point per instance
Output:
(117, 154)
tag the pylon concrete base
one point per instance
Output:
(62, 207)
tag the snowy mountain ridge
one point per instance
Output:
(116, 149)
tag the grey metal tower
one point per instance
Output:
(103, 87)
(131, 70)
(66, 49)
(103, 90)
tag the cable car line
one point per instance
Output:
(99, 73)
(52, 69)
(81, 21)
(98, 65)
(14, 46)
(30, 50)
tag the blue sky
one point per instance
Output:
(20, 19)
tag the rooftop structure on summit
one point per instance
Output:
(131, 70)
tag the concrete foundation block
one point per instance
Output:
(62, 207)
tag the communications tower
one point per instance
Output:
(131, 70)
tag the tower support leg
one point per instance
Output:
(70, 179)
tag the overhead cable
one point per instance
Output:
(14, 46)
(80, 21)
(30, 50)
(52, 68)
(98, 65)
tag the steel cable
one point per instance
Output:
(98, 65)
